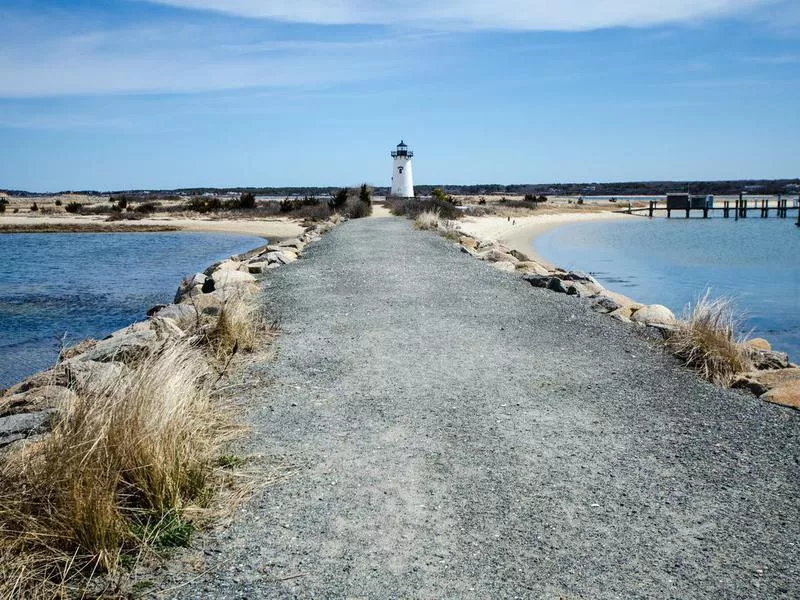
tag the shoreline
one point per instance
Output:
(520, 234)
(272, 229)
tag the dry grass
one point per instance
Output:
(125, 466)
(705, 339)
(239, 327)
(427, 220)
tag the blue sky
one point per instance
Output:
(117, 94)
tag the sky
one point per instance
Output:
(146, 94)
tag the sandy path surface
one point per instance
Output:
(278, 228)
(458, 433)
(519, 234)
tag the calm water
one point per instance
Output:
(90, 284)
(671, 262)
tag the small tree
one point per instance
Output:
(247, 200)
(365, 194)
(3, 204)
(73, 207)
(34, 207)
(339, 199)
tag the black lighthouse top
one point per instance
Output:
(402, 150)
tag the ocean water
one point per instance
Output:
(754, 261)
(81, 285)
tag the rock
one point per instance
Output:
(536, 280)
(624, 313)
(468, 242)
(518, 255)
(497, 256)
(760, 382)
(154, 309)
(284, 257)
(128, 346)
(92, 374)
(48, 396)
(556, 285)
(167, 329)
(292, 243)
(196, 285)
(228, 265)
(18, 427)
(77, 349)
(54, 376)
(577, 276)
(758, 344)
(620, 299)
(785, 395)
(504, 266)
(468, 250)
(227, 277)
(769, 359)
(530, 266)
(578, 289)
(654, 315)
(604, 304)
(183, 315)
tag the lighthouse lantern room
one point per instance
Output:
(402, 173)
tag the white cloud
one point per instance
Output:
(554, 15)
(175, 57)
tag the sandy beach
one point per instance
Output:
(273, 229)
(518, 234)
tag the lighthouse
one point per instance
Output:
(402, 174)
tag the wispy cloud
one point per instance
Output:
(37, 58)
(563, 15)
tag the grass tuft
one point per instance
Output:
(124, 465)
(427, 220)
(238, 328)
(705, 339)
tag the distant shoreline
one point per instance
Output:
(270, 229)
(520, 233)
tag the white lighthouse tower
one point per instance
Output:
(402, 174)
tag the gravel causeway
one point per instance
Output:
(461, 434)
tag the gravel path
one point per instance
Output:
(464, 435)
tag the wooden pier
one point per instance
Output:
(740, 209)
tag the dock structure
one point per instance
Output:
(705, 205)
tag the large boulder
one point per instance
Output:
(620, 299)
(531, 266)
(283, 257)
(468, 242)
(604, 304)
(758, 344)
(556, 285)
(760, 382)
(654, 315)
(90, 374)
(769, 359)
(785, 395)
(183, 315)
(226, 278)
(126, 346)
(48, 396)
(498, 256)
(18, 427)
(506, 267)
(293, 244)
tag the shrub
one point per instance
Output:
(355, 208)
(147, 207)
(203, 204)
(34, 207)
(427, 220)
(3, 204)
(365, 194)
(128, 460)
(58, 202)
(338, 201)
(73, 207)
(247, 201)
(705, 339)
(413, 206)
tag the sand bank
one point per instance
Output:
(273, 229)
(518, 234)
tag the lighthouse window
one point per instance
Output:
(400, 169)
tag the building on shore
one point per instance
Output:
(402, 172)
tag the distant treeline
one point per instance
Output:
(630, 188)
